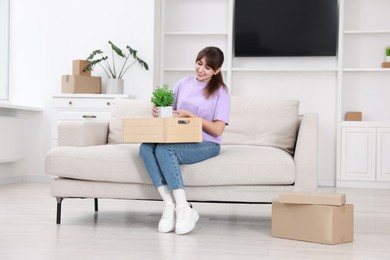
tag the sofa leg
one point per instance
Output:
(59, 202)
(96, 204)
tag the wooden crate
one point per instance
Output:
(162, 130)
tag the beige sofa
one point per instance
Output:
(267, 148)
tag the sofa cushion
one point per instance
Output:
(236, 165)
(126, 108)
(262, 122)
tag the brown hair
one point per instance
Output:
(214, 59)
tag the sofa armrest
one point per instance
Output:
(77, 133)
(306, 153)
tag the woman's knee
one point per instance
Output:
(146, 148)
(162, 149)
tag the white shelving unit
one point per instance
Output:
(363, 86)
(188, 26)
(184, 30)
(330, 86)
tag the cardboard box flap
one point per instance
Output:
(314, 198)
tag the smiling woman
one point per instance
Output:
(4, 49)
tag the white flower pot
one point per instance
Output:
(165, 112)
(387, 58)
(113, 86)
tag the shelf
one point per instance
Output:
(364, 124)
(283, 70)
(7, 105)
(367, 32)
(257, 70)
(183, 69)
(93, 96)
(196, 33)
(365, 70)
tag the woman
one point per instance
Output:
(205, 96)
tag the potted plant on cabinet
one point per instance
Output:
(115, 74)
(163, 98)
(387, 54)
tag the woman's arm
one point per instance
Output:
(214, 128)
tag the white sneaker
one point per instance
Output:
(186, 218)
(168, 219)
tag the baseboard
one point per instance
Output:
(327, 183)
(24, 178)
(10, 180)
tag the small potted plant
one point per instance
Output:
(163, 98)
(387, 54)
(115, 74)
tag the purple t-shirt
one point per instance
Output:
(190, 96)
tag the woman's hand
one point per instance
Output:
(214, 128)
(182, 113)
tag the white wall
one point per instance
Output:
(46, 35)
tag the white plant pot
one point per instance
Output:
(113, 86)
(387, 58)
(165, 112)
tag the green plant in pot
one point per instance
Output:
(388, 54)
(163, 98)
(115, 71)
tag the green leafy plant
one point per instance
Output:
(163, 96)
(129, 58)
(388, 51)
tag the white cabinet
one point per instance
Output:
(330, 86)
(364, 147)
(365, 153)
(81, 107)
(358, 156)
(383, 154)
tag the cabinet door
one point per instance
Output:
(358, 154)
(383, 154)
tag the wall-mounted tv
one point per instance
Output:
(282, 28)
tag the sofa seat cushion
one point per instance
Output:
(236, 165)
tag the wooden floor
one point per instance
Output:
(128, 230)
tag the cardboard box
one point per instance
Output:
(314, 217)
(325, 224)
(317, 198)
(78, 66)
(162, 130)
(353, 116)
(81, 84)
(386, 65)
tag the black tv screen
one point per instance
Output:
(285, 28)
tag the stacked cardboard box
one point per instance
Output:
(162, 130)
(80, 81)
(386, 65)
(315, 217)
(353, 116)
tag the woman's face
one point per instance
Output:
(204, 72)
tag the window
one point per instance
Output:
(4, 49)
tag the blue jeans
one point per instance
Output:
(162, 160)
